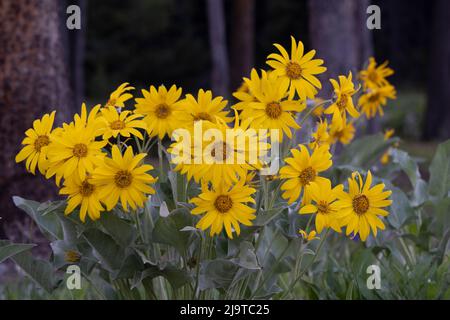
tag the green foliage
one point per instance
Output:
(157, 253)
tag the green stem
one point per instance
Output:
(322, 241)
(280, 257)
(162, 175)
(310, 111)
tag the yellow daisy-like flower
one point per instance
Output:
(220, 160)
(320, 136)
(375, 99)
(385, 158)
(36, 144)
(298, 70)
(123, 178)
(224, 206)
(343, 104)
(309, 236)
(324, 205)
(343, 134)
(301, 170)
(84, 194)
(375, 76)
(388, 134)
(271, 110)
(361, 207)
(206, 108)
(74, 148)
(252, 86)
(119, 96)
(123, 123)
(163, 110)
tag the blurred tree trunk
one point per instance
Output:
(77, 45)
(33, 81)
(339, 34)
(220, 77)
(437, 120)
(242, 40)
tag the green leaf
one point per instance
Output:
(247, 257)
(400, 210)
(439, 184)
(217, 273)
(407, 164)
(169, 230)
(106, 249)
(176, 277)
(8, 250)
(266, 216)
(364, 151)
(120, 230)
(48, 224)
(38, 270)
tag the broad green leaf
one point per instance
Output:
(217, 273)
(247, 257)
(38, 270)
(168, 230)
(400, 210)
(8, 250)
(131, 265)
(106, 249)
(176, 277)
(266, 216)
(48, 224)
(120, 230)
(407, 164)
(439, 184)
(365, 151)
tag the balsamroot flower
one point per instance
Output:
(361, 207)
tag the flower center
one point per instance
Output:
(40, 142)
(162, 111)
(86, 189)
(222, 149)
(123, 179)
(80, 150)
(274, 110)
(117, 125)
(360, 204)
(202, 116)
(323, 207)
(307, 175)
(293, 70)
(342, 101)
(72, 256)
(374, 97)
(338, 134)
(373, 76)
(223, 203)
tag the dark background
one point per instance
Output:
(208, 44)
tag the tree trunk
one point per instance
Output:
(339, 34)
(242, 40)
(437, 122)
(218, 43)
(33, 81)
(77, 46)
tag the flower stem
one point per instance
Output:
(291, 287)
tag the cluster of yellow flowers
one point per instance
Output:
(96, 179)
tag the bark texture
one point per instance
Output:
(220, 78)
(437, 122)
(339, 34)
(242, 40)
(33, 81)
